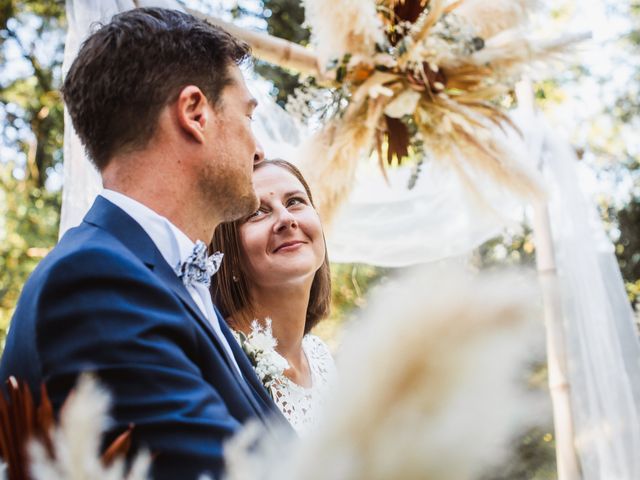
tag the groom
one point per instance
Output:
(158, 100)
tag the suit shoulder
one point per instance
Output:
(86, 252)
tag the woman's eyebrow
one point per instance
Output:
(295, 192)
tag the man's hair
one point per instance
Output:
(133, 66)
(230, 286)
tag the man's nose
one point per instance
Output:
(259, 155)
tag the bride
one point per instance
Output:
(274, 286)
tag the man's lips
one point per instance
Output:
(288, 245)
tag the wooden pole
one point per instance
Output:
(559, 387)
(271, 49)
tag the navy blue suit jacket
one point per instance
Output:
(105, 301)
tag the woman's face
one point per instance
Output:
(282, 240)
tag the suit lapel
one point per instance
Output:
(112, 218)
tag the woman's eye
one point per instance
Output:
(257, 214)
(296, 201)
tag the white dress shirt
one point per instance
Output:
(175, 247)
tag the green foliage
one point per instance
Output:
(514, 248)
(350, 286)
(29, 217)
(628, 248)
(284, 19)
(533, 458)
(32, 116)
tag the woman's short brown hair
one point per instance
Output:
(230, 286)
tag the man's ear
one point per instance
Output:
(193, 113)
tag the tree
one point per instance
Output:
(31, 50)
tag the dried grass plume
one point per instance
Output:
(427, 387)
(76, 441)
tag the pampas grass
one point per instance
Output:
(76, 441)
(327, 159)
(426, 388)
(460, 57)
(490, 18)
(341, 26)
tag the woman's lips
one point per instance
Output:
(289, 246)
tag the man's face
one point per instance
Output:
(232, 151)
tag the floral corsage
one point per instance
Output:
(260, 347)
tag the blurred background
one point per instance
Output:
(593, 100)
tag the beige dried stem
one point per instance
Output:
(427, 385)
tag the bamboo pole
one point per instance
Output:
(271, 49)
(559, 387)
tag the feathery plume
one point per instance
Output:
(76, 441)
(426, 386)
(343, 26)
(490, 18)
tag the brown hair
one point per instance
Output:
(232, 295)
(133, 66)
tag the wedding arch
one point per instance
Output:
(485, 166)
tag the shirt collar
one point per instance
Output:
(173, 243)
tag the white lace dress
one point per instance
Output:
(299, 404)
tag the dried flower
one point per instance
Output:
(260, 347)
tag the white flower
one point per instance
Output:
(261, 337)
(403, 104)
(259, 345)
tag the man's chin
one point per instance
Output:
(244, 206)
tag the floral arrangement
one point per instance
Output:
(260, 347)
(419, 77)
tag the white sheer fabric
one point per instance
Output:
(602, 343)
(603, 352)
(439, 218)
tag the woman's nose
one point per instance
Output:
(285, 220)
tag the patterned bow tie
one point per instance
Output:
(199, 267)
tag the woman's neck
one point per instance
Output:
(287, 309)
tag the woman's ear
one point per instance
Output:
(193, 112)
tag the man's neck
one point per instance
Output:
(168, 195)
